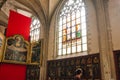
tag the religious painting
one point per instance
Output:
(63, 69)
(16, 50)
(33, 72)
(36, 52)
(2, 41)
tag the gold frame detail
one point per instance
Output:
(16, 50)
(2, 43)
(37, 48)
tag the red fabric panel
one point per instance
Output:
(18, 24)
(12, 72)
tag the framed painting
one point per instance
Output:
(16, 50)
(36, 52)
(2, 42)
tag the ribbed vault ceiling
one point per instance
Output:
(38, 8)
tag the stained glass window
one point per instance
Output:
(35, 30)
(71, 28)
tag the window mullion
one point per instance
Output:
(71, 30)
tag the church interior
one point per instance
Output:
(51, 39)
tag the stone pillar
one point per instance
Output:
(105, 40)
(45, 37)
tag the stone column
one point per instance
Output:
(105, 40)
(45, 37)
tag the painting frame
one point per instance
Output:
(16, 50)
(37, 49)
(2, 44)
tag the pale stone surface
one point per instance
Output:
(2, 29)
(92, 28)
(114, 14)
(45, 6)
(52, 6)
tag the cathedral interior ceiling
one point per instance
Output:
(39, 8)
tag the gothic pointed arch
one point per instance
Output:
(71, 29)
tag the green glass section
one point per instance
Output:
(78, 34)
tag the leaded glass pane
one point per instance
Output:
(73, 42)
(78, 21)
(60, 22)
(77, 1)
(34, 30)
(84, 32)
(73, 49)
(78, 41)
(73, 15)
(64, 20)
(72, 33)
(73, 22)
(73, 29)
(34, 22)
(64, 38)
(84, 40)
(68, 19)
(82, 11)
(68, 50)
(84, 46)
(83, 19)
(68, 37)
(64, 31)
(68, 31)
(83, 25)
(60, 28)
(60, 39)
(60, 46)
(68, 24)
(78, 48)
(60, 33)
(78, 34)
(64, 26)
(59, 52)
(70, 2)
(77, 13)
(77, 27)
(64, 51)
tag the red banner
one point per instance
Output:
(18, 24)
(12, 72)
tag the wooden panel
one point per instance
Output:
(33, 72)
(117, 63)
(63, 69)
